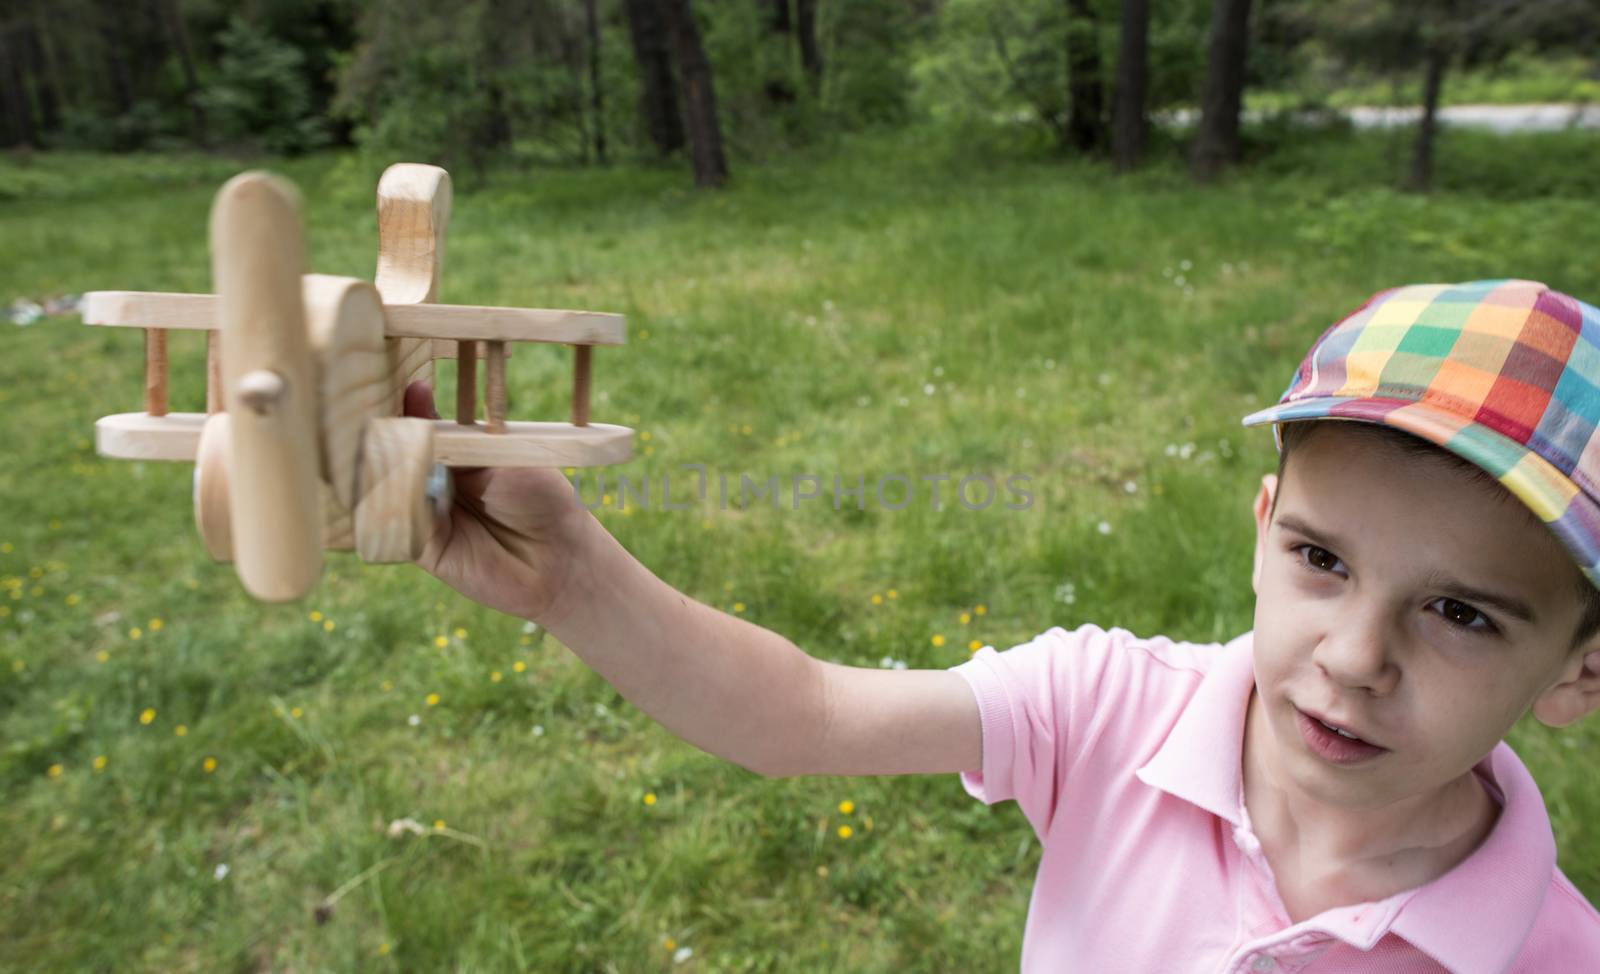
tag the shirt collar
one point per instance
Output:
(1472, 920)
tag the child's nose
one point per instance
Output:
(1358, 653)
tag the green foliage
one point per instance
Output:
(984, 61)
(260, 96)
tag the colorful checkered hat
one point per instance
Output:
(1505, 374)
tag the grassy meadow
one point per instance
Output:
(195, 782)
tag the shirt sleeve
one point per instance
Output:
(1040, 706)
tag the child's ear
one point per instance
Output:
(1263, 512)
(1576, 693)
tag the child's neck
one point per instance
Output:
(1324, 856)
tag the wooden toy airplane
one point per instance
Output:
(303, 446)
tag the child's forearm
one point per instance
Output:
(727, 686)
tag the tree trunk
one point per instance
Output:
(699, 96)
(117, 64)
(1422, 154)
(780, 15)
(14, 86)
(658, 88)
(1128, 98)
(806, 29)
(1217, 141)
(172, 17)
(596, 95)
(1086, 125)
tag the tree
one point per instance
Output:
(1128, 98)
(658, 84)
(806, 34)
(1216, 142)
(1086, 124)
(699, 95)
(596, 92)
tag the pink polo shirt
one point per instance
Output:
(1125, 756)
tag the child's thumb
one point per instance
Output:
(419, 401)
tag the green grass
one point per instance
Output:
(945, 302)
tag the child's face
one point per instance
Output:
(1420, 609)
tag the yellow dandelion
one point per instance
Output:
(6, 548)
(965, 618)
(460, 633)
(36, 572)
(893, 594)
(605, 500)
(975, 645)
(649, 451)
(980, 610)
(519, 666)
(846, 831)
(17, 666)
(438, 825)
(525, 641)
(101, 656)
(327, 625)
(135, 633)
(74, 599)
(181, 730)
(670, 944)
(208, 765)
(383, 948)
(441, 641)
(937, 640)
(296, 712)
(822, 871)
(315, 616)
(386, 686)
(54, 771)
(147, 715)
(494, 677)
(431, 700)
(156, 624)
(55, 524)
(746, 429)
(877, 599)
(645, 436)
(649, 798)
(100, 762)
(846, 807)
(738, 606)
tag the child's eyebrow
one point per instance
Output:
(1446, 585)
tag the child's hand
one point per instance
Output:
(506, 540)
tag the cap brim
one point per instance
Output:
(1550, 494)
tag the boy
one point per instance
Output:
(1329, 792)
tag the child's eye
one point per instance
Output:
(1461, 614)
(1318, 558)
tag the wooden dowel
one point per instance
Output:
(467, 383)
(580, 384)
(495, 387)
(213, 372)
(155, 371)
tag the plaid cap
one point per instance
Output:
(1505, 374)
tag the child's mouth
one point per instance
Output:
(1332, 745)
